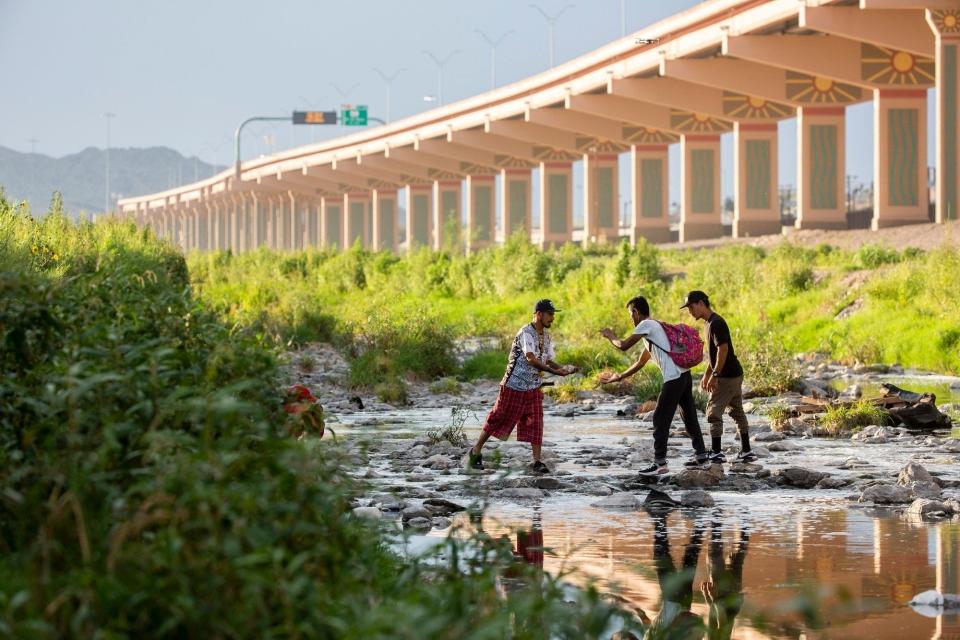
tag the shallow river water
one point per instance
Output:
(853, 567)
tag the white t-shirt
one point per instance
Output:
(655, 334)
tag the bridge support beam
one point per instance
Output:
(385, 220)
(820, 168)
(899, 160)
(355, 207)
(481, 212)
(756, 209)
(946, 25)
(601, 211)
(446, 214)
(700, 187)
(331, 215)
(419, 207)
(650, 191)
(556, 203)
(516, 187)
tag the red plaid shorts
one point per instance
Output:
(523, 409)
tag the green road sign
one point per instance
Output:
(314, 117)
(354, 116)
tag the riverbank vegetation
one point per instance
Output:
(407, 316)
(149, 487)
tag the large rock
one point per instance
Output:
(784, 445)
(442, 507)
(886, 494)
(697, 498)
(913, 472)
(699, 478)
(769, 436)
(416, 511)
(923, 489)
(368, 513)
(438, 462)
(926, 507)
(622, 500)
(800, 477)
(833, 483)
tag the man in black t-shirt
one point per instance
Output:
(723, 378)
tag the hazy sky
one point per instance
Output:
(184, 74)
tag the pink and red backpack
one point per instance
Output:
(686, 346)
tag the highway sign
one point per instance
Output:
(354, 116)
(315, 117)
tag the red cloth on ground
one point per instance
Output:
(523, 409)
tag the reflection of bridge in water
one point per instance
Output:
(879, 562)
(724, 66)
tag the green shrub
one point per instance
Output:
(453, 432)
(445, 385)
(871, 256)
(486, 364)
(778, 415)
(392, 391)
(768, 368)
(844, 417)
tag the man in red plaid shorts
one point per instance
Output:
(520, 401)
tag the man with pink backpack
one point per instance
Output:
(675, 349)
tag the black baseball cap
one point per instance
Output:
(545, 305)
(695, 296)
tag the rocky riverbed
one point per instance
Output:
(874, 479)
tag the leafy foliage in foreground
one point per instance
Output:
(148, 486)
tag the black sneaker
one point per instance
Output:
(697, 462)
(718, 458)
(539, 467)
(655, 469)
(746, 456)
(474, 460)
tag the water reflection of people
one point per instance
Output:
(723, 590)
(675, 621)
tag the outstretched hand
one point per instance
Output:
(608, 333)
(608, 377)
(568, 369)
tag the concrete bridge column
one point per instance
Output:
(946, 26)
(756, 208)
(333, 222)
(700, 187)
(446, 214)
(383, 204)
(481, 212)
(236, 219)
(649, 206)
(900, 157)
(223, 219)
(820, 168)
(254, 235)
(556, 203)
(293, 230)
(311, 232)
(601, 215)
(516, 186)
(196, 215)
(355, 207)
(208, 226)
(419, 216)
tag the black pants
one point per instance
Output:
(676, 393)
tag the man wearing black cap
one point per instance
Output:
(723, 378)
(520, 401)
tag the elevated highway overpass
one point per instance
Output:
(724, 66)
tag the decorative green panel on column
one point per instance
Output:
(482, 200)
(333, 226)
(951, 204)
(758, 174)
(902, 156)
(517, 201)
(823, 166)
(651, 188)
(701, 170)
(557, 203)
(357, 212)
(421, 218)
(605, 197)
(449, 224)
(387, 213)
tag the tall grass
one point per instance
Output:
(148, 488)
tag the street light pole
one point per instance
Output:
(388, 79)
(106, 198)
(493, 54)
(236, 139)
(551, 21)
(440, 65)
